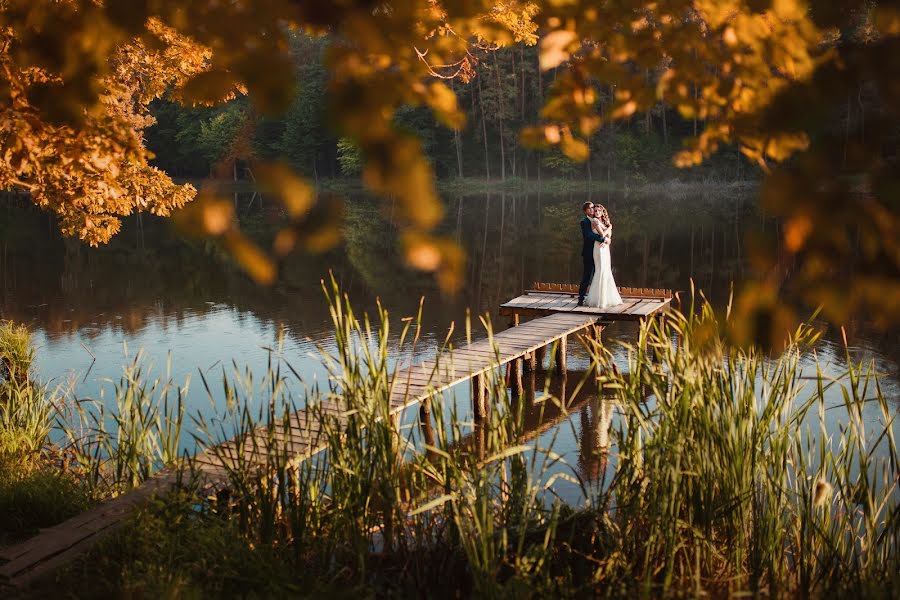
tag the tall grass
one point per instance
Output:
(34, 492)
(724, 479)
(107, 447)
(26, 407)
(457, 509)
(118, 445)
(728, 480)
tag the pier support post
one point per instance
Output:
(515, 377)
(530, 362)
(514, 320)
(539, 357)
(561, 355)
(479, 398)
(655, 321)
(596, 334)
(530, 381)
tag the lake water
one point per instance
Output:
(181, 301)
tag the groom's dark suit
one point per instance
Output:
(587, 254)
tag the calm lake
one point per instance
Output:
(91, 310)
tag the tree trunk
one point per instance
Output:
(695, 108)
(522, 64)
(846, 133)
(458, 141)
(540, 81)
(862, 115)
(500, 117)
(665, 127)
(648, 117)
(515, 147)
(487, 161)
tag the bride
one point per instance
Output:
(602, 292)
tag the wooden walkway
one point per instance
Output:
(520, 345)
(552, 298)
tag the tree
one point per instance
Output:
(88, 166)
(760, 76)
(349, 157)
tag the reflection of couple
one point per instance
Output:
(598, 288)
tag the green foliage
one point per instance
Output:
(219, 133)
(26, 420)
(118, 447)
(720, 479)
(350, 157)
(305, 139)
(16, 352)
(38, 499)
(168, 549)
(560, 163)
(716, 485)
(26, 408)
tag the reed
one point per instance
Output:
(118, 445)
(16, 352)
(26, 407)
(726, 481)
(376, 499)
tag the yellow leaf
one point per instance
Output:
(554, 48)
(209, 87)
(443, 102)
(887, 20)
(421, 252)
(207, 215)
(574, 148)
(253, 260)
(796, 230)
(624, 110)
(295, 193)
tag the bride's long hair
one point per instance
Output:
(604, 216)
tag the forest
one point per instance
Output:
(503, 93)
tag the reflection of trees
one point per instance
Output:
(659, 242)
(68, 287)
(371, 249)
(510, 240)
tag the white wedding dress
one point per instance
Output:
(603, 291)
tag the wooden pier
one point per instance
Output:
(552, 298)
(521, 348)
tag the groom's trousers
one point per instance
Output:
(586, 277)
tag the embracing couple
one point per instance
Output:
(598, 288)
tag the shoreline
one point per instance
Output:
(465, 186)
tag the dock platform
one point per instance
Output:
(554, 298)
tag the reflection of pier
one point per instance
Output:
(561, 399)
(522, 347)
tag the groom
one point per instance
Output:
(587, 249)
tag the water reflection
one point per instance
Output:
(595, 418)
(152, 289)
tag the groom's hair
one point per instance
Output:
(586, 205)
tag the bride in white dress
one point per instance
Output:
(603, 291)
